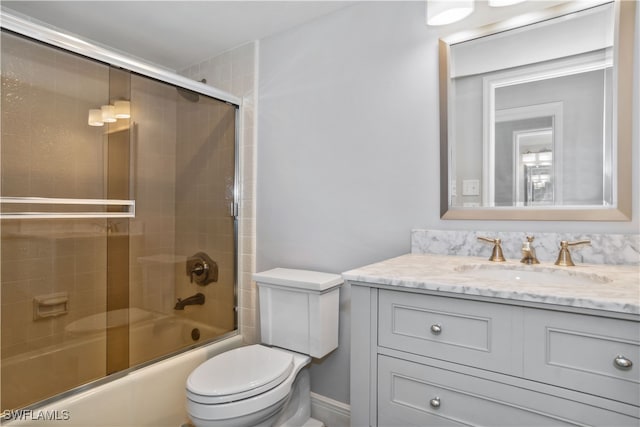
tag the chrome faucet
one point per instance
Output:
(197, 299)
(528, 252)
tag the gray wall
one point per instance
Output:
(348, 150)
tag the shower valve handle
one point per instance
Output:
(202, 269)
(199, 269)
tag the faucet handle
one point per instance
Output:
(564, 257)
(496, 254)
(202, 269)
(197, 269)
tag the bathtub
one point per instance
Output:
(153, 395)
(151, 334)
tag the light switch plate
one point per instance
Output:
(471, 187)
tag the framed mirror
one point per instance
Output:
(535, 116)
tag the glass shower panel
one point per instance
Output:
(53, 271)
(205, 190)
(184, 189)
(89, 289)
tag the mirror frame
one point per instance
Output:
(624, 12)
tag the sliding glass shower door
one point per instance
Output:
(185, 190)
(117, 221)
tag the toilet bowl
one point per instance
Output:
(251, 386)
(268, 385)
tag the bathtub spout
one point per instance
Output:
(192, 300)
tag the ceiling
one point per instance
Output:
(174, 34)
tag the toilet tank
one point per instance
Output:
(299, 310)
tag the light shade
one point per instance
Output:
(545, 157)
(122, 109)
(500, 3)
(95, 118)
(108, 113)
(443, 12)
(529, 159)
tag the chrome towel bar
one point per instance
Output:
(128, 208)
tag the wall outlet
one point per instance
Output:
(471, 187)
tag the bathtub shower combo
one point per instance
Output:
(118, 215)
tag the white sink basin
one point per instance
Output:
(531, 275)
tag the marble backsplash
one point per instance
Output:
(604, 248)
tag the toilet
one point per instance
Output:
(268, 384)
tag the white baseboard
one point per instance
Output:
(331, 412)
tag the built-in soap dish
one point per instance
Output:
(51, 305)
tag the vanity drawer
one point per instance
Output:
(473, 333)
(579, 352)
(411, 394)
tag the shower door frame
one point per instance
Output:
(90, 50)
(77, 45)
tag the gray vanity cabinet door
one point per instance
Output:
(584, 353)
(412, 394)
(472, 333)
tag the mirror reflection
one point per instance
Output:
(531, 114)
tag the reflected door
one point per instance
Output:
(535, 177)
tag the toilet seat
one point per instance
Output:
(239, 374)
(232, 409)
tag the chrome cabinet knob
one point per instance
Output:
(622, 362)
(436, 329)
(435, 402)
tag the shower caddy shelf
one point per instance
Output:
(129, 205)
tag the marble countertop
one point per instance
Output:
(594, 286)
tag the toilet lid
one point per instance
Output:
(239, 374)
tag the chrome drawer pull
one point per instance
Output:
(622, 362)
(435, 402)
(436, 329)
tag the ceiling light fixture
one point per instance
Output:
(122, 109)
(443, 12)
(95, 118)
(108, 113)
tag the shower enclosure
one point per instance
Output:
(118, 220)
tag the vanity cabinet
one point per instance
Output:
(421, 359)
(585, 353)
(467, 332)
